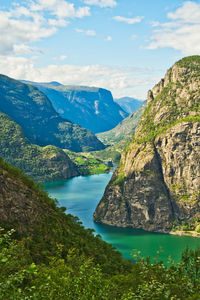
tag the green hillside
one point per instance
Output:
(124, 129)
(49, 255)
(41, 163)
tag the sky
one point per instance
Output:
(125, 46)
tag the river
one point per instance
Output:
(80, 195)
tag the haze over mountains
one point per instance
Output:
(125, 129)
(90, 107)
(41, 124)
(129, 104)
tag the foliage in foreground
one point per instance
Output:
(60, 259)
(78, 277)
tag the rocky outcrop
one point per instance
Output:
(90, 107)
(157, 182)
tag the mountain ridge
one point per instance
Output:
(33, 111)
(90, 107)
(129, 104)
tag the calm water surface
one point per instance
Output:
(80, 195)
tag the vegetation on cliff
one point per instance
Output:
(49, 255)
(157, 183)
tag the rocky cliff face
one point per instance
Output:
(157, 182)
(90, 107)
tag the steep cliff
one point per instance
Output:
(41, 124)
(90, 107)
(157, 183)
(41, 163)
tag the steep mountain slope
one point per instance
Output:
(90, 107)
(41, 163)
(128, 104)
(157, 183)
(124, 129)
(49, 255)
(29, 210)
(33, 111)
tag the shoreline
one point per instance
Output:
(185, 233)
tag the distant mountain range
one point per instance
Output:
(129, 104)
(90, 107)
(41, 124)
(124, 129)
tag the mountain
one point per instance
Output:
(41, 163)
(33, 111)
(124, 129)
(156, 185)
(90, 107)
(128, 104)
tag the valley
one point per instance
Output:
(114, 206)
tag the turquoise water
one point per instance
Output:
(80, 195)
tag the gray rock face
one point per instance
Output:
(158, 179)
(90, 107)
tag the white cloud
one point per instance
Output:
(188, 13)
(22, 25)
(24, 49)
(109, 38)
(122, 81)
(101, 3)
(88, 32)
(58, 22)
(181, 32)
(60, 8)
(128, 20)
(15, 31)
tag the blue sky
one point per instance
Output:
(122, 45)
